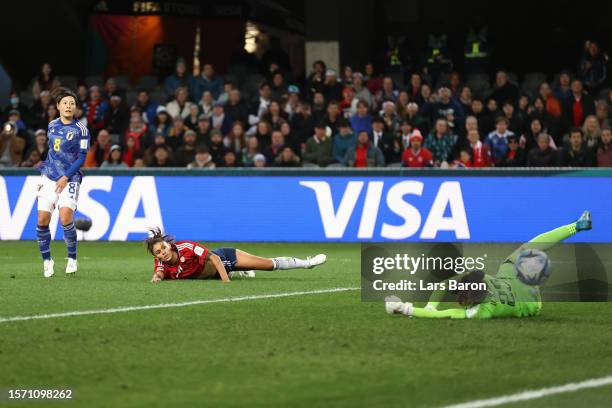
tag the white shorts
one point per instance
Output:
(48, 199)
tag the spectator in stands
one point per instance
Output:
(287, 158)
(230, 159)
(362, 119)
(388, 91)
(293, 99)
(132, 152)
(362, 93)
(203, 130)
(416, 155)
(11, 146)
(485, 124)
(578, 106)
(163, 123)
(418, 121)
(498, 139)
(82, 93)
(404, 133)
(179, 106)
(553, 106)
(236, 108)
(202, 159)
(259, 161)
(529, 139)
(260, 105)
(593, 67)
(180, 78)
(137, 131)
(403, 99)
(332, 89)
(159, 140)
(316, 79)
(604, 150)
(278, 86)
(319, 106)
(440, 142)
(524, 105)
(117, 116)
(347, 76)
(51, 113)
(445, 108)
(465, 99)
(235, 140)
(515, 119)
(216, 147)
(276, 146)
(275, 116)
(175, 134)
(15, 117)
(343, 140)
(378, 131)
(219, 120)
(591, 131)
(99, 151)
(32, 159)
(515, 155)
(414, 88)
(228, 86)
(114, 159)
(333, 116)
(348, 104)
(111, 89)
(186, 153)
(206, 81)
(549, 123)
(372, 80)
(364, 154)
(318, 148)
(504, 90)
(249, 152)
(303, 123)
(162, 157)
(41, 144)
(194, 116)
(563, 91)
(480, 154)
(44, 81)
(263, 134)
(389, 116)
(95, 110)
(14, 105)
(38, 111)
(542, 155)
(139, 162)
(602, 113)
(147, 106)
(427, 94)
(576, 153)
(291, 139)
(206, 104)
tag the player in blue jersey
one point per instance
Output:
(61, 178)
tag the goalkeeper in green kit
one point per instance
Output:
(505, 295)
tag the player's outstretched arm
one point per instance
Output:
(158, 276)
(216, 261)
(438, 314)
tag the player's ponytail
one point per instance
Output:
(156, 236)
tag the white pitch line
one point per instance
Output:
(170, 305)
(535, 394)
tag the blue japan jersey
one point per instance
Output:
(68, 145)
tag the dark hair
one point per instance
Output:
(60, 93)
(156, 237)
(201, 149)
(378, 119)
(501, 119)
(576, 130)
(470, 297)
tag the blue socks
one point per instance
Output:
(43, 234)
(70, 236)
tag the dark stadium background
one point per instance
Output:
(523, 35)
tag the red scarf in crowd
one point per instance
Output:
(361, 155)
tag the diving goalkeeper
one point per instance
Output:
(505, 296)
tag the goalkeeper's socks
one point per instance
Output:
(70, 236)
(43, 235)
(285, 262)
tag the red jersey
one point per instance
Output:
(191, 261)
(422, 158)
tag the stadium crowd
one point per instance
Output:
(352, 118)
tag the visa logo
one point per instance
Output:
(335, 220)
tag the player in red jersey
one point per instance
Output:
(190, 260)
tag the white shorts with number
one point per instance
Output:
(48, 199)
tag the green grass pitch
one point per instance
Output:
(313, 350)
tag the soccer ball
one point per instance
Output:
(532, 267)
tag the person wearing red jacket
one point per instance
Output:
(481, 155)
(416, 155)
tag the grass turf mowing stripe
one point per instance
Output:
(535, 394)
(170, 305)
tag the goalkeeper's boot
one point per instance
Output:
(71, 267)
(48, 268)
(584, 222)
(316, 260)
(241, 274)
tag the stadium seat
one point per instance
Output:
(92, 80)
(131, 97)
(513, 78)
(479, 78)
(394, 165)
(310, 166)
(398, 80)
(69, 81)
(123, 82)
(148, 82)
(535, 77)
